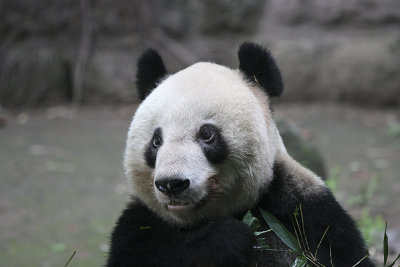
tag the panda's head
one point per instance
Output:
(203, 142)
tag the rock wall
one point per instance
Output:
(338, 50)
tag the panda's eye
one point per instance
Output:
(152, 147)
(206, 134)
(212, 142)
(156, 141)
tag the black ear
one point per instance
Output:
(150, 71)
(258, 65)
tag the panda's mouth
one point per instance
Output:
(177, 205)
(181, 206)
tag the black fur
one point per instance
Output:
(142, 238)
(259, 67)
(150, 71)
(150, 153)
(215, 148)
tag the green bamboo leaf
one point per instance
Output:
(251, 221)
(281, 231)
(247, 218)
(300, 261)
(385, 247)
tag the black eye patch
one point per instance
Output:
(212, 143)
(152, 147)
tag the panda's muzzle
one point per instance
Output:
(172, 186)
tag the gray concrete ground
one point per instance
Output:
(62, 185)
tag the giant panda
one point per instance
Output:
(202, 150)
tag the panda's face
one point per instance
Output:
(200, 145)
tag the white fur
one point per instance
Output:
(203, 93)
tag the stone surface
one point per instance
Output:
(33, 72)
(340, 50)
(336, 12)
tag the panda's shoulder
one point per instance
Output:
(293, 186)
(297, 191)
(136, 214)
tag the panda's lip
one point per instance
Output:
(183, 206)
(180, 206)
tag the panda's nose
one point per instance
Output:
(172, 186)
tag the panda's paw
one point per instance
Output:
(230, 242)
(236, 232)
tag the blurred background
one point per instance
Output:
(67, 94)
